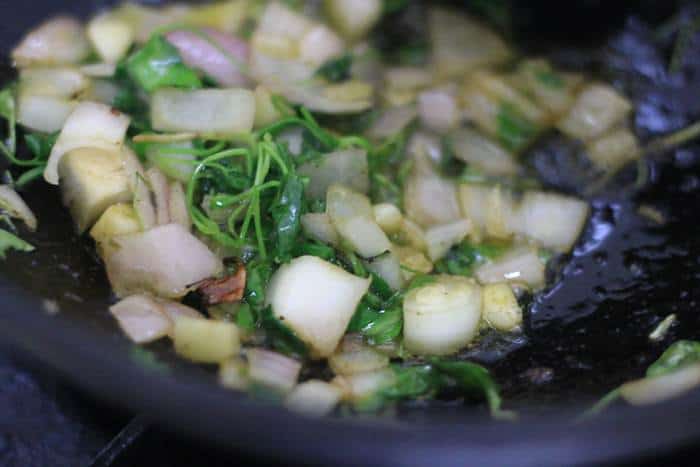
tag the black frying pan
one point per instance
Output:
(584, 336)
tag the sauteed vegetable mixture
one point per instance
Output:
(315, 195)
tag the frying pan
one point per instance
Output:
(584, 335)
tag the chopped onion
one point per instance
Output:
(388, 217)
(412, 235)
(557, 95)
(99, 70)
(354, 356)
(410, 78)
(143, 204)
(482, 153)
(438, 109)
(353, 218)
(316, 299)
(266, 112)
(462, 44)
(500, 307)
(177, 206)
(90, 125)
(43, 113)
(392, 121)
(118, 219)
(111, 37)
(413, 261)
(363, 385)
(614, 149)
(141, 318)
(520, 265)
(319, 45)
(279, 20)
(347, 167)
(91, 181)
(597, 109)
(161, 192)
(313, 397)
(649, 390)
(443, 237)
(14, 206)
(442, 317)
(53, 82)
(103, 90)
(427, 152)
(554, 220)
(431, 200)
(57, 41)
(233, 374)
(491, 208)
(205, 341)
(353, 18)
(177, 165)
(166, 260)
(221, 56)
(319, 227)
(210, 111)
(273, 370)
(388, 267)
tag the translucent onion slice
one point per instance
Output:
(314, 397)
(205, 341)
(14, 206)
(43, 113)
(520, 265)
(485, 155)
(178, 206)
(319, 227)
(90, 125)
(431, 200)
(111, 37)
(273, 370)
(393, 120)
(354, 356)
(443, 237)
(647, 391)
(161, 194)
(52, 81)
(58, 41)
(141, 318)
(348, 167)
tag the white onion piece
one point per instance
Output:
(273, 370)
(353, 18)
(314, 397)
(204, 340)
(353, 218)
(442, 317)
(648, 391)
(43, 113)
(426, 150)
(319, 227)
(482, 153)
(388, 217)
(500, 307)
(431, 200)
(614, 149)
(319, 45)
(279, 20)
(161, 193)
(407, 78)
(438, 110)
(554, 220)
(354, 356)
(461, 43)
(520, 265)
(362, 385)
(177, 206)
(392, 121)
(266, 113)
(179, 166)
(103, 90)
(141, 318)
(210, 111)
(316, 299)
(111, 37)
(136, 175)
(388, 267)
(233, 374)
(57, 41)
(443, 237)
(597, 109)
(118, 219)
(99, 70)
(219, 55)
(347, 167)
(293, 138)
(15, 206)
(166, 260)
(175, 310)
(90, 125)
(54, 82)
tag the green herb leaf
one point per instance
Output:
(258, 275)
(464, 258)
(286, 215)
(157, 64)
(9, 241)
(8, 111)
(280, 336)
(336, 69)
(245, 317)
(549, 78)
(514, 130)
(412, 382)
(394, 6)
(40, 144)
(679, 354)
(314, 248)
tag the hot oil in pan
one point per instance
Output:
(588, 331)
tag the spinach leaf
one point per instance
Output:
(258, 275)
(9, 241)
(549, 78)
(464, 258)
(412, 382)
(245, 317)
(286, 215)
(280, 336)
(40, 144)
(314, 248)
(157, 64)
(679, 354)
(514, 130)
(471, 377)
(9, 113)
(337, 69)
(394, 6)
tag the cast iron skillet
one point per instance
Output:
(584, 335)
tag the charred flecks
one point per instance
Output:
(228, 289)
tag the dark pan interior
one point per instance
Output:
(584, 335)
